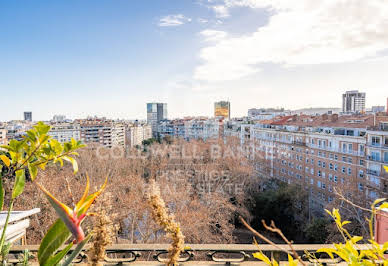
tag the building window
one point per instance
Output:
(375, 141)
(330, 177)
(319, 163)
(344, 147)
(360, 187)
(331, 166)
(350, 160)
(349, 171)
(344, 159)
(361, 174)
(385, 157)
(312, 181)
(343, 169)
(361, 162)
(319, 184)
(350, 147)
(336, 157)
(375, 155)
(336, 167)
(323, 186)
(319, 173)
(324, 164)
(335, 179)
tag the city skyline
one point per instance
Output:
(87, 58)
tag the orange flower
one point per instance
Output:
(73, 218)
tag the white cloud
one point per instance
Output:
(173, 20)
(213, 35)
(299, 32)
(221, 11)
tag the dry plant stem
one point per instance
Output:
(341, 197)
(161, 216)
(274, 229)
(270, 242)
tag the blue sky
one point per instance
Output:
(109, 58)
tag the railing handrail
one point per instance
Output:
(202, 247)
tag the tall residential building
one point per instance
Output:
(28, 116)
(353, 102)
(222, 109)
(64, 132)
(136, 133)
(105, 132)
(192, 128)
(156, 112)
(323, 153)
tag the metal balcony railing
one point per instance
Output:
(196, 254)
(337, 150)
(377, 145)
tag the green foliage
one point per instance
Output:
(55, 259)
(52, 241)
(76, 251)
(348, 251)
(26, 157)
(316, 231)
(283, 203)
(148, 142)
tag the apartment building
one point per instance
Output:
(105, 132)
(64, 132)
(353, 102)
(136, 133)
(377, 157)
(192, 128)
(320, 153)
(156, 112)
(3, 136)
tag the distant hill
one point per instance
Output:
(318, 110)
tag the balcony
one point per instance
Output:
(374, 159)
(198, 254)
(299, 143)
(337, 150)
(377, 145)
(373, 172)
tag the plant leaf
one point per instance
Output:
(20, 181)
(33, 171)
(1, 190)
(54, 238)
(54, 260)
(5, 160)
(76, 251)
(73, 162)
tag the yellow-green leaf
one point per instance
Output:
(20, 181)
(33, 171)
(262, 257)
(73, 162)
(1, 190)
(5, 160)
(377, 201)
(291, 261)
